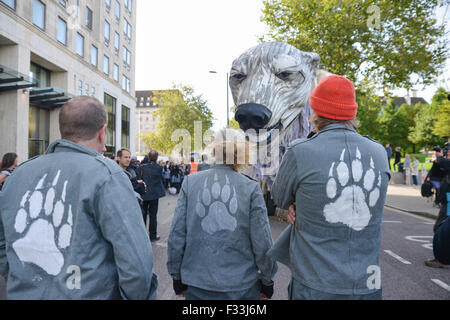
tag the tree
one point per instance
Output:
(233, 123)
(442, 104)
(385, 41)
(179, 109)
(422, 131)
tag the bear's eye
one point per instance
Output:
(239, 76)
(284, 75)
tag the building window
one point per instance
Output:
(80, 45)
(105, 65)
(107, 33)
(93, 91)
(128, 4)
(63, 3)
(86, 87)
(77, 7)
(126, 84)
(126, 57)
(125, 127)
(62, 31)
(80, 87)
(94, 56)
(88, 18)
(117, 11)
(40, 74)
(10, 3)
(116, 73)
(39, 131)
(127, 30)
(108, 5)
(110, 104)
(39, 14)
(116, 43)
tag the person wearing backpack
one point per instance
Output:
(444, 212)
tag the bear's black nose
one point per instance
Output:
(252, 116)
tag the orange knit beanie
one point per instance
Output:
(334, 98)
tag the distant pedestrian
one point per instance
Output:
(71, 227)
(220, 234)
(193, 166)
(9, 162)
(415, 170)
(397, 158)
(124, 160)
(166, 174)
(204, 165)
(152, 174)
(389, 154)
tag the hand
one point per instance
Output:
(291, 217)
(266, 292)
(140, 181)
(179, 288)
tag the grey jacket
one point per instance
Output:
(71, 228)
(338, 180)
(220, 233)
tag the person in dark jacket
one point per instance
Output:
(441, 243)
(397, 157)
(124, 161)
(444, 213)
(152, 174)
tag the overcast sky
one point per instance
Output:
(180, 41)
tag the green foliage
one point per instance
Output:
(381, 40)
(442, 118)
(422, 132)
(233, 123)
(179, 108)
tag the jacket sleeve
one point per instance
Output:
(177, 235)
(286, 182)
(4, 268)
(120, 220)
(441, 243)
(261, 237)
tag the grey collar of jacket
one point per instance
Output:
(335, 126)
(69, 146)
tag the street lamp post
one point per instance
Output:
(228, 97)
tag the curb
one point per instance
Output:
(423, 214)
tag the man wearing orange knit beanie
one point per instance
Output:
(334, 185)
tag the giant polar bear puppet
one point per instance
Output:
(271, 84)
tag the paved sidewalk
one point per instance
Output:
(408, 198)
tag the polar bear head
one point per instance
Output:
(271, 84)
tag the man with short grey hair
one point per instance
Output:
(70, 225)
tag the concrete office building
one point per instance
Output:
(146, 120)
(53, 50)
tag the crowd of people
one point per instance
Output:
(436, 183)
(71, 218)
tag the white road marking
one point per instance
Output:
(417, 238)
(392, 221)
(427, 243)
(428, 223)
(389, 252)
(441, 284)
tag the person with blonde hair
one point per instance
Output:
(220, 232)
